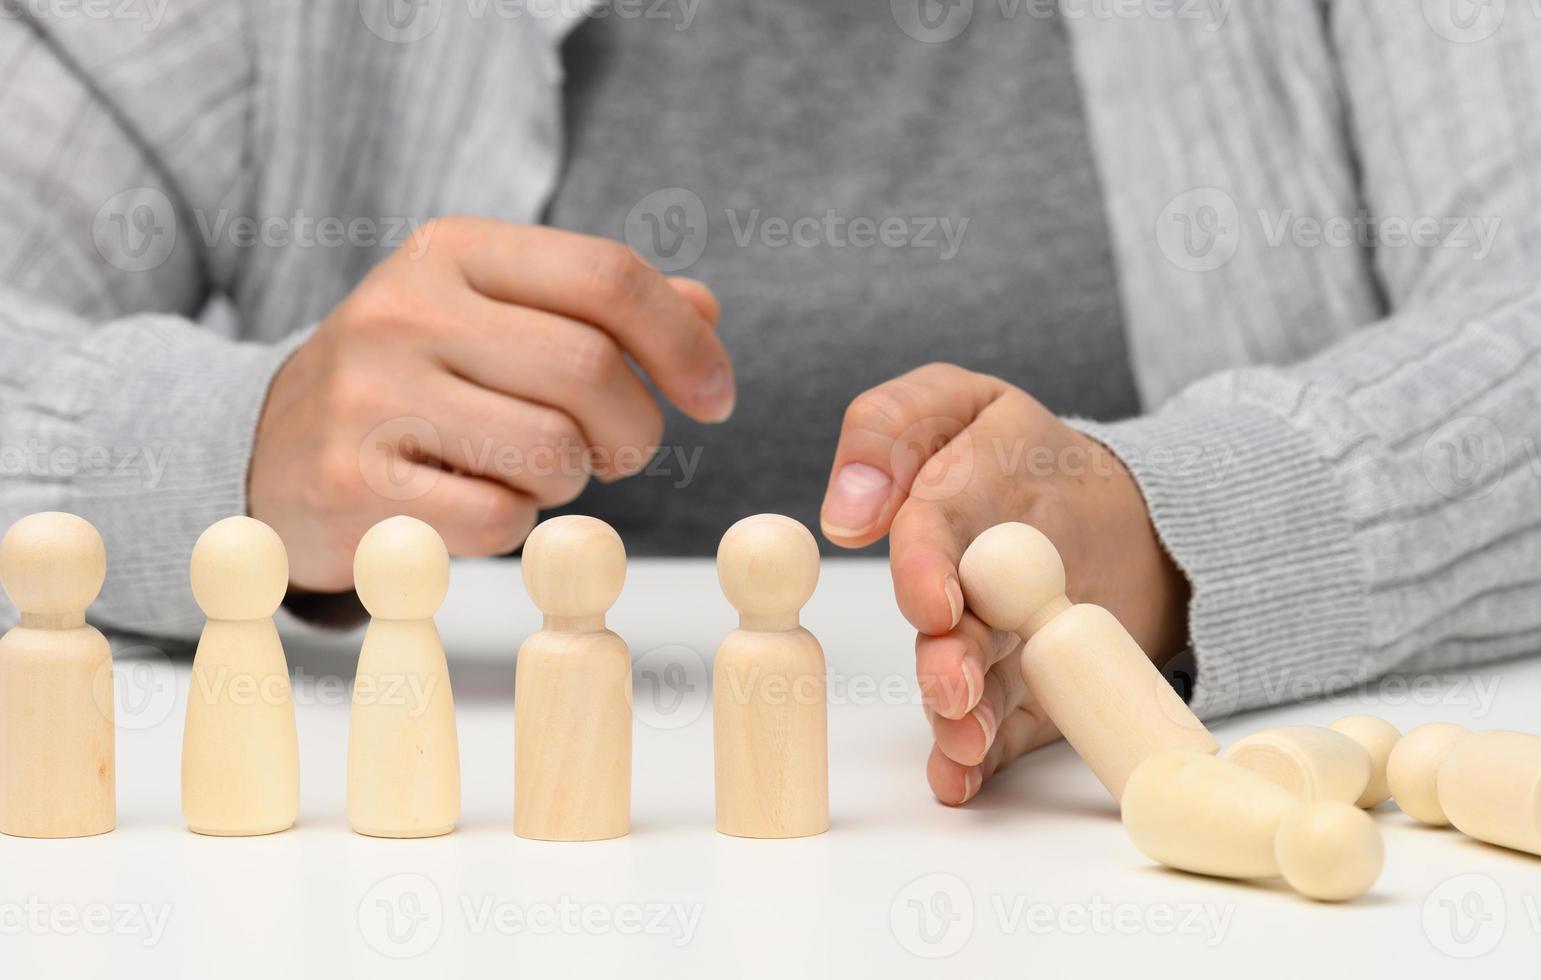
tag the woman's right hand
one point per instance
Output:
(476, 376)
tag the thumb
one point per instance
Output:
(886, 438)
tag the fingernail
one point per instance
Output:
(954, 599)
(971, 781)
(856, 500)
(717, 394)
(974, 679)
(985, 715)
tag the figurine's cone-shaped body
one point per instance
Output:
(1091, 677)
(572, 693)
(57, 707)
(240, 747)
(403, 750)
(769, 715)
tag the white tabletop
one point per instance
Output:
(1036, 875)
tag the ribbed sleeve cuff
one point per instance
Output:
(1256, 520)
(173, 410)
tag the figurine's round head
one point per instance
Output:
(1330, 851)
(768, 566)
(401, 569)
(240, 570)
(1009, 573)
(52, 564)
(574, 566)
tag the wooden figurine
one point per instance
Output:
(1490, 788)
(572, 692)
(1377, 737)
(57, 713)
(1312, 763)
(1330, 851)
(1093, 680)
(403, 752)
(769, 720)
(240, 748)
(1412, 771)
(1198, 813)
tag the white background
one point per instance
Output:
(1035, 877)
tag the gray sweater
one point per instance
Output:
(997, 257)
(1340, 445)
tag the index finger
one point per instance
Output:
(606, 284)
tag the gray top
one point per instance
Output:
(975, 155)
(1339, 438)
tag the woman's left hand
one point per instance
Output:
(939, 455)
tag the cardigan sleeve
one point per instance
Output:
(1377, 504)
(115, 403)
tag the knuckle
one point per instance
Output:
(334, 486)
(563, 488)
(507, 520)
(883, 409)
(552, 430)
(350, 394)
(617, 272)
(595, 360)
(635, 448)
(384, 301)
(943, 373)
(435, 233)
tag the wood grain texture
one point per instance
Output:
(769, 699)
(572, 696)
(403, 750)
(240, 745)
(1490, 788)
(1377, 737)
(58, 773)
(1313, 763)
(1091, 677)
(1412, 771)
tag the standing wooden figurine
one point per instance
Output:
(1093, 680)
(768, 686)
(403, 752)
(240, 750)
(572, 691)
(57, 711)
